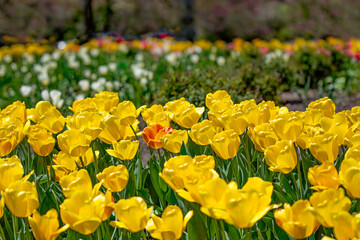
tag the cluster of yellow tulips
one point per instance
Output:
(217, 173)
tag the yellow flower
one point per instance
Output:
(298, 220)
(126, 112)
(218, 108)
(325, 105)
(211, 196)
(132, 214)
(328, 204)
(173, 142)
(338, 125)
(114, 131)
(263, 136)
(76, 182)
(15, 110)
(170, 225)
(46, 227)
(11, 134)
(352, 136)
(105, 101)
(87, 158)
(256, 114)
(85, 105)
(233, 119)
(156, 115)
(114, 178)
(347, 226)
(21, 198)
(74, 142)
(82, 213)
(11, 171)
(182, 172)
(220, 95)
(350, 172)
(203, 132)
(281, 157)
(47, 116)
(304, 138)
(324, 147)
(226, 144)
(152, 134)
(288, 126)
(124, 149)
(90, 123)
(177, 105)
(248, 205)
(188, 117)
(40, 140)
(324, 176)
(64, 164)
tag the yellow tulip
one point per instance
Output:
(74, 142)
(211, 196)
(46, 227)
(288, 126)
(182, 172)
(325, 105)
(173, 142)
(105, 101)
(90, 123)
(324, 147)
(114, 178)
(11, 171)
(347, 226)
(156, 115)
(40, 140)
(21, 198)
(176, 106)
(248, 205)
(304, 138)
(126, 112)
(47, 116)
(82, 213)
(235, 120)
(76, 182)
(203, 132)
(338, 125)
(170, 225)
(324, 176)
(327, 204)
(263, 136)
(226, 144)
(11, 134)
(15, 110)
(218, 108)
(257, 114)
(350, 172)
(85, 105)
(124, 149)
(219, 95)
(352, 135)
(132, 214)
(188, 117)
(281, 157)
(114, 131)
(87, 158)
(64, 164)
(298, 220)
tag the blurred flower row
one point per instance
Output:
(227, 171)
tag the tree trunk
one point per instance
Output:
(187, 21)
(89, 19)
(108, 17)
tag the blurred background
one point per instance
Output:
(187, 19)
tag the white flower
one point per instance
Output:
(143, 82)
(45, 95)
(2, 70)
(97, 86)
(61, 45)
(45, 58)
(103, 70)
(79, 96)
(139, 57)
(13, 66)
(194, 58)
(212, 57)
(56, 99)
(109, 86)
(25, 90)
(44, 78)
(7, 58)
(220, 61)
(116, 85)
(56, 55)
(84, 85)
(23, 69)
(171, 58)
(112, 66)
(87, 73)
(123, 48)
(94, 52)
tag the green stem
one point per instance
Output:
(132, 128)
(296, 185)
(248, 234)
(222, 229)
(358, 205)
(95, 160)
(300, 179)
(235, 170)
(143, 235)
(15, 225)
(247, 153)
